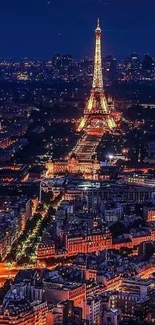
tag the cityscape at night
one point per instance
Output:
(77, 162)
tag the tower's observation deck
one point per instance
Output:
(97, 117)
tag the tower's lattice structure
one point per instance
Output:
(96, 114)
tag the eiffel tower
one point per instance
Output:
(97, 117)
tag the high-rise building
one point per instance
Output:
(148, 67)
(110, 68)
(132, 67)
(148, 63)
(57, 61)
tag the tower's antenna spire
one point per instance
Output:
(98, 29)
(98, 22)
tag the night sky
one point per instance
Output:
(39, 28)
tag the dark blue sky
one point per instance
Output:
(39, 28)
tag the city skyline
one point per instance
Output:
(77, 162)
(38, 29)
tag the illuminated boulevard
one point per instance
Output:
(9, 272)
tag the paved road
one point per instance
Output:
(7, 272)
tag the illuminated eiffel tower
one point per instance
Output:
(97, 118)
